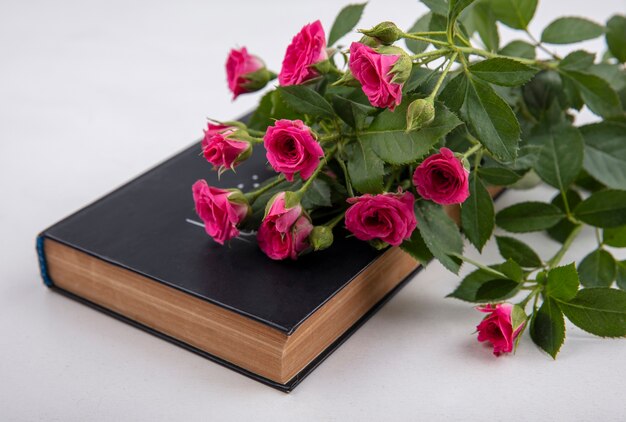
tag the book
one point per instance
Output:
(141, 254)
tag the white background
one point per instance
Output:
(93, 93)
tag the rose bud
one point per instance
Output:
(321, 237)
(374, 71)
(387, 217)
(442, 178)
(284, 232)
(245, 72)
(420, 113)
(385, 32)
(501, 327)
(221, 210)
(223, 151)
(307, 48)
(291, 148)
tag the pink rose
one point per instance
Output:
(221, 151)
(389, 217)
(497, 327)
(307, 48)
(442, 178)
(284, 232)
(373, 71)
(221, 210)
(239, 67)
(291, 148)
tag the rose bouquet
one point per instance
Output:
(380, 134)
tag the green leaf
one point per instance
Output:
(439, 7)
(599, 311)
(616, 37)
(615, 237)
(262, 116)
(562, 230)
(416, 247)
(345, 21)
(306, 101)
(577, 60)
(515, 14)
(502, 71)
(485, 22)
(498, 176)
(518, 48)
(547, 327)
(388, 138)
(366, 170)
(605, 208)
(597, 269)
(477, 214)
(468, 288)
(492, 119)
(351, 112)
(454, 93)
(518, 251)
(440, 234)
(605, 152)
(455, 9)
(561, 156)
(496, 290)
(562, 282)
(317, 195)
(596, 92)
(421, 25)
(621, 275)
(528, 217)
(569, 30)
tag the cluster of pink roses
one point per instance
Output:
(287, 230)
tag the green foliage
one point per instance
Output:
(516, 14)
(440, 234)
(562, 283)
(605, 152)
(528, 217)
(597, 269)
(518, 251)
(571, 30)
(600, 311)
(547, 327)
(477, 214)
(616, 37)
(606, 208)
(503, 71)
(365, 168)
(345, 22)
(306, 101)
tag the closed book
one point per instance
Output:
(141, 255)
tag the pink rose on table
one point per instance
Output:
(307, 48)
(220, 210)
(388, 217)
(442, 178)
(497, 328)
(291, 148)
(373, 71)
(284, 232)
(245, 72)
(221, 151)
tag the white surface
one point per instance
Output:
(91, 94)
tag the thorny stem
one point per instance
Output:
(540, 45)
(346, 176)
(425, 39)
(317, 171)
(472, 150)
(252, 196)
(332, 223)
(442, 77)
(534, 293)
(481, 266)
(554, 261)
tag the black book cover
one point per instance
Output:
(149, 226)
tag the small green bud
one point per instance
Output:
(378, 244)
(420, 113)
(257, 80)
(321, 237)
(385, 32)
(369, 41)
